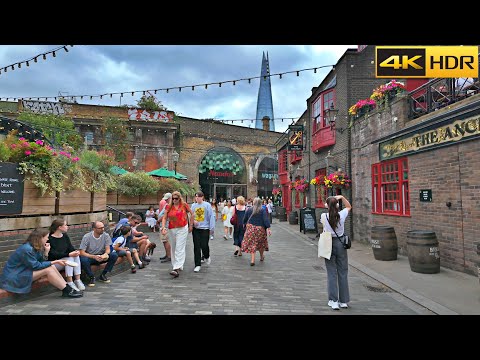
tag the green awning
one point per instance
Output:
(115, 170)
(163, 172)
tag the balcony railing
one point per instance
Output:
(438, 93)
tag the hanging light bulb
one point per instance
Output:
(206, 86)
(28, 64)
(53, 53)
(234, 83)
(298, 73)
(19, 65)
(193, 88)
(65, 48)
(280, 75)
(35, 59)
(44, 57)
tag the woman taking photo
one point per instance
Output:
(337, 266)
(28, 263)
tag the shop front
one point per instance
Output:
(222, 174)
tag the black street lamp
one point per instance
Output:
(175, 157)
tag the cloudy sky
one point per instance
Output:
(98, 69)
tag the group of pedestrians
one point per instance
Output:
(48, 252)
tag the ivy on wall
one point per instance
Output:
(113, 131)
(59, 130)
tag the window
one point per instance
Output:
(325, 101)
(320, 198)
(390, 193)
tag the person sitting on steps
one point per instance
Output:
(28, 263)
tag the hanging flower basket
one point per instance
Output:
(338, 179)
(300, 185)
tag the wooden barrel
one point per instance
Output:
(281, 213)
(423, 252)
(384, 243)
(293, 218)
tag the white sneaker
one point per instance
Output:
(211, 237)
(197, 269)
(333, 304)
(343, 305)
(73, 286)
(79, 284)
(209, 260)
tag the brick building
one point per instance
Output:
(225, 160)
(327, 137)
(435, 154)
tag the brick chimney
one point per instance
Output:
(266, 123)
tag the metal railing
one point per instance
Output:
(438, 93)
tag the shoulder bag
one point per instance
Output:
(345, 239)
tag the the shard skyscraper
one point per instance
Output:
(264, 101)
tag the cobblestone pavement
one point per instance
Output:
(291, 280)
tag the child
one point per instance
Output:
(122, 250)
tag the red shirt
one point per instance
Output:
(177, 217)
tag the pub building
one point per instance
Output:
(421, 173)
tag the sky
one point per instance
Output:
(100, 69)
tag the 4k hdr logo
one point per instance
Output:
(426, 61)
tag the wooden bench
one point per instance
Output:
(42, 286)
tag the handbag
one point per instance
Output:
(325, 244)
(345, 239)
(234, 219)
(224, 217)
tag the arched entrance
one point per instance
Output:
(267, 172)
(222, 174)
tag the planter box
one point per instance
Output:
(99, 201)
(112, 198)
(74, 201)
(151, 199)
(128, 200)
(34, 203)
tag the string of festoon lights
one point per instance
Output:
(169, 89)
(34, 59)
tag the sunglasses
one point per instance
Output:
(174, 198)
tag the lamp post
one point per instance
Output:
(330, 115)
(327, 159)
(175, 156)
(134, 163)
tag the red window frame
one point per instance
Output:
(390, 190)
(318, 200)
(282, 161)
(324, 101)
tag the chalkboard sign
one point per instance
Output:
(308, 221)
(11, 189)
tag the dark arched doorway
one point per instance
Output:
(267, 172)
(222, 174)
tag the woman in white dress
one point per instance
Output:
(150, 218)
(227, 213)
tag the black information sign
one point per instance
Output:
(11, 189)
(426, 195)
(308, 221)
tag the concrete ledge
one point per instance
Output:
(42, 286)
